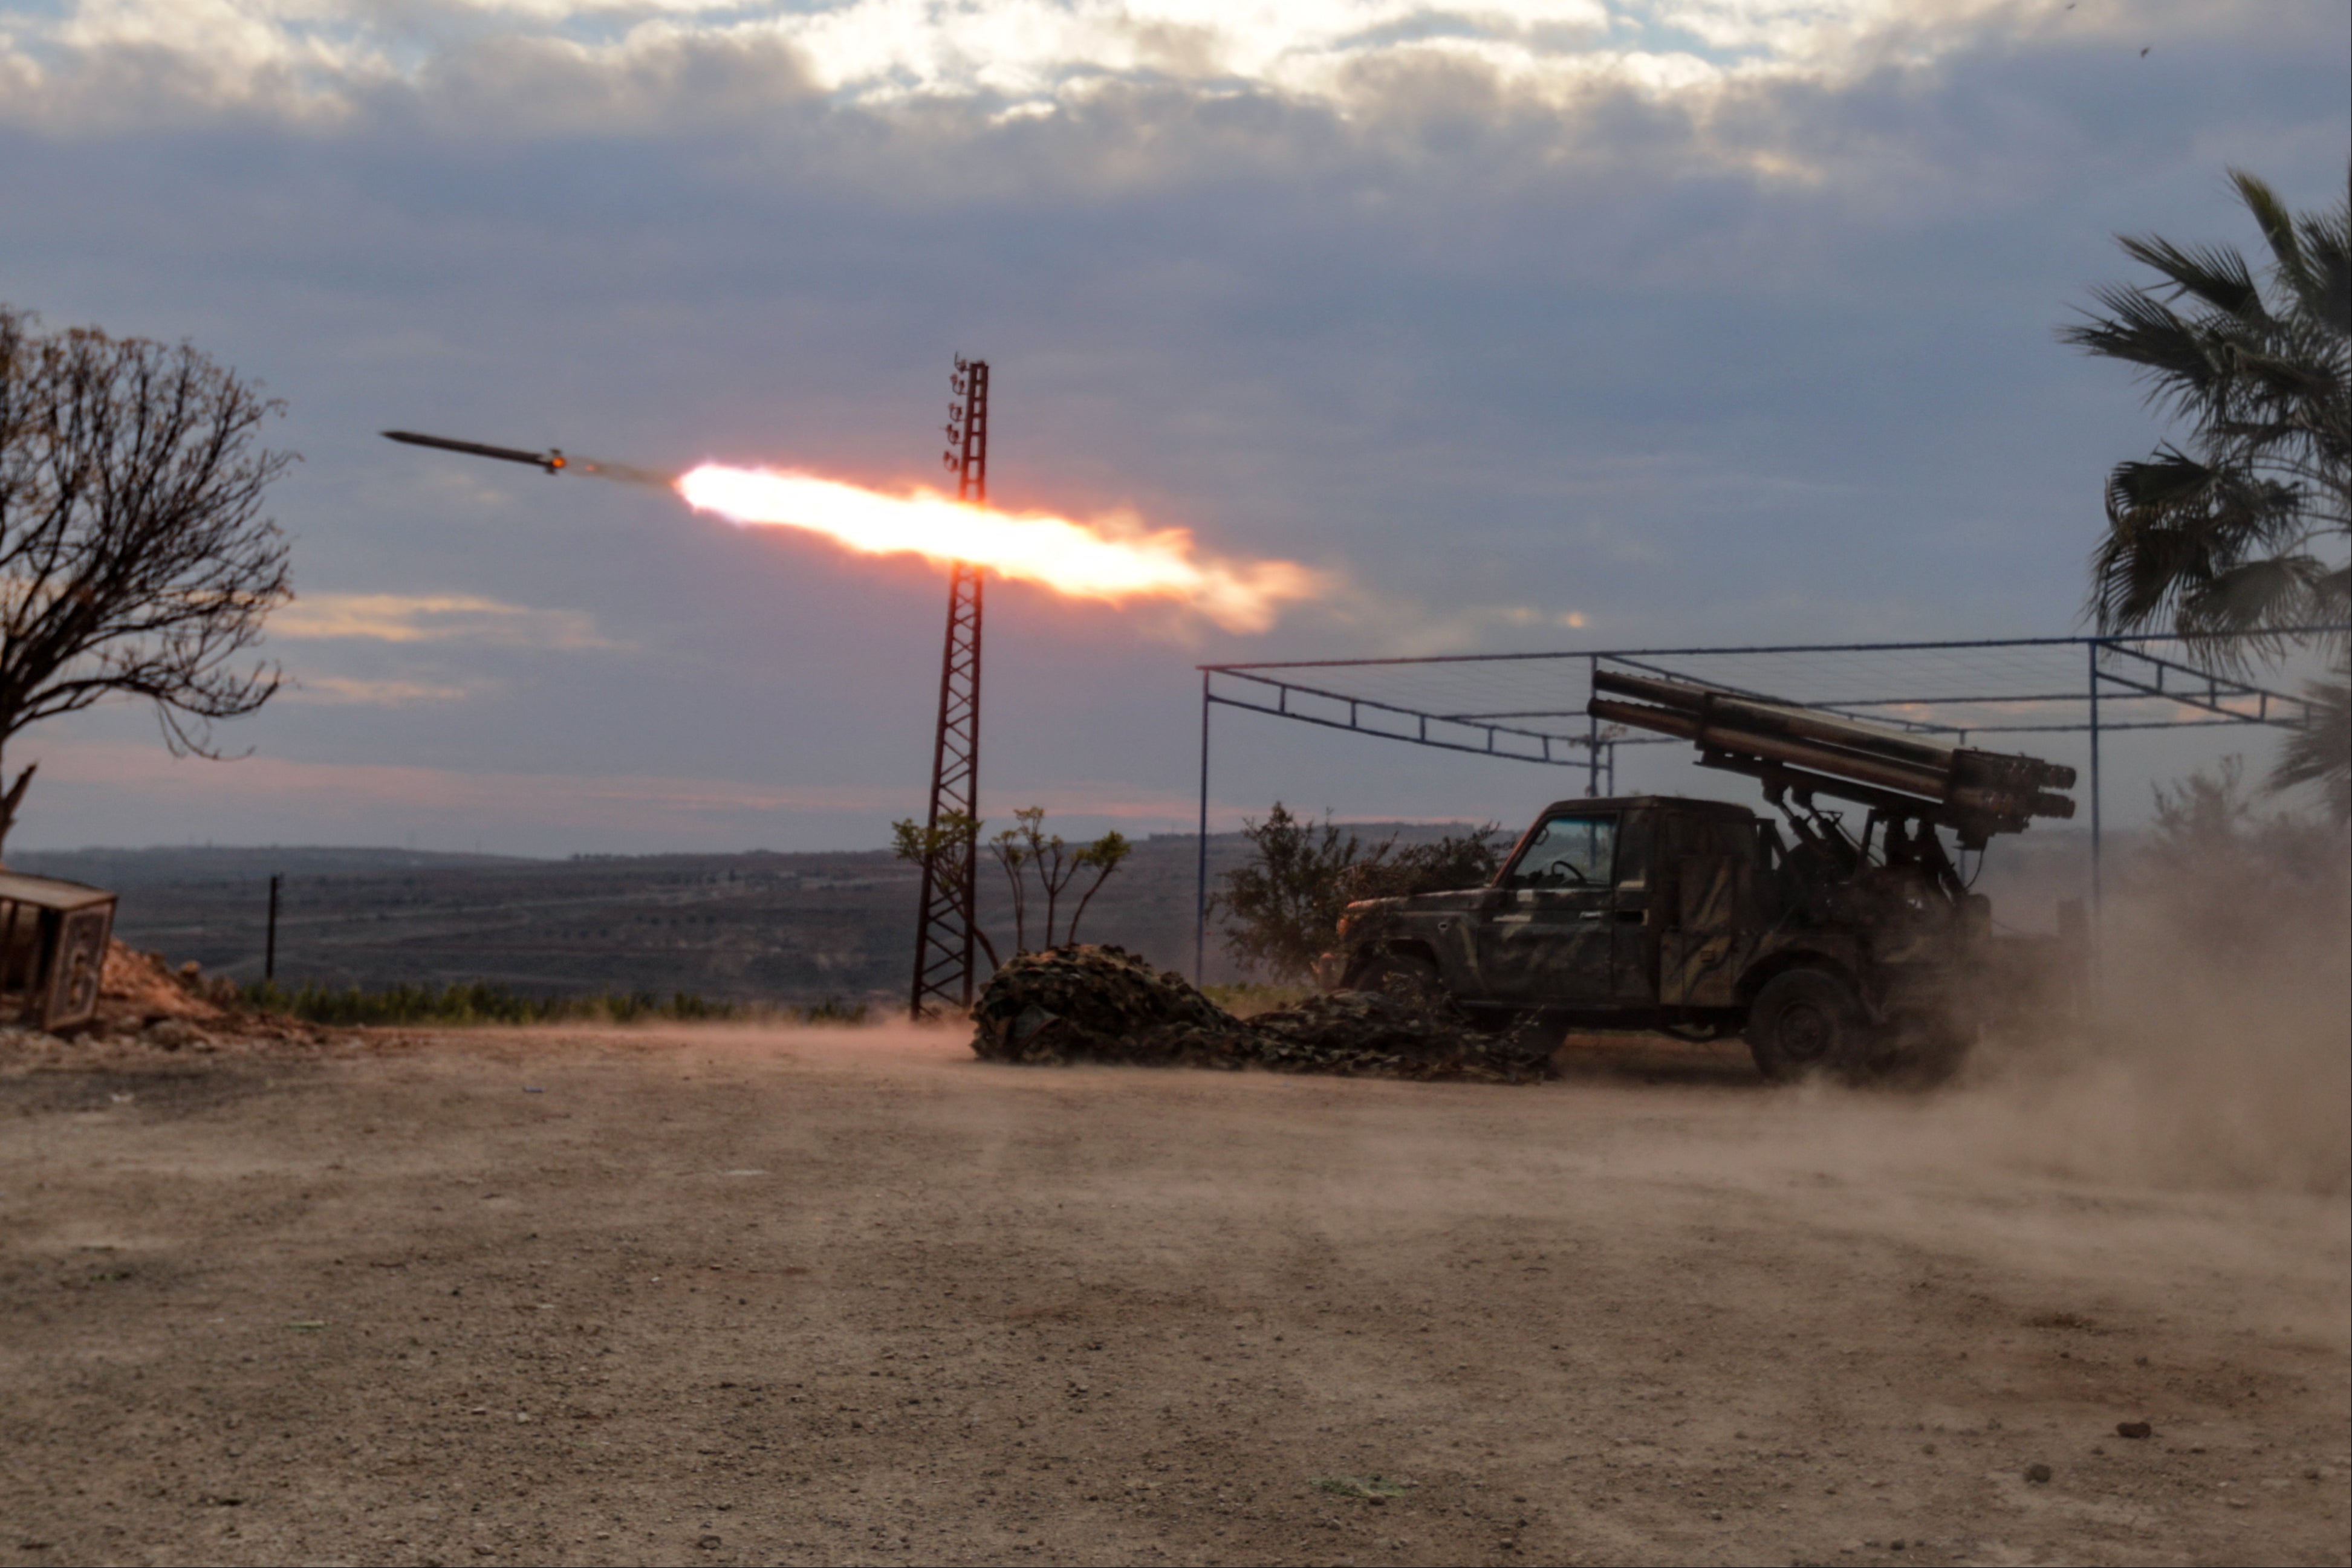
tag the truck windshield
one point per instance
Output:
(1569, 851)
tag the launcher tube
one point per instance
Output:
(1995, 771)
(1776, 718)
(1665, 721)
(1796, 753)
(1834, 732)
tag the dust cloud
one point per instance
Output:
(2214, 1046)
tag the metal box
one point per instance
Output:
(53, 938)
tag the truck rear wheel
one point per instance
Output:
(1808, 1021)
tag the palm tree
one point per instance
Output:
(2246, 524)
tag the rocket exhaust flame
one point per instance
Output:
(1086, 560)
(1081, 560)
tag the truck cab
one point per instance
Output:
(1605, 909)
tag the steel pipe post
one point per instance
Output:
(1201, 872)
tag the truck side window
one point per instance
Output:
(1569, 851)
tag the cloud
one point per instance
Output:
(434, 618)
(615, 66)
(1709, 322)
(345, 691)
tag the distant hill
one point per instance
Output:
(751, 926)
(176, 863)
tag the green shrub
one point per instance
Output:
(482, 1002)
(1282, 907)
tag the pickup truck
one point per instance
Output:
(1863, 956)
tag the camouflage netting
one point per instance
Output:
(1102, 1004)
(1105, 1004)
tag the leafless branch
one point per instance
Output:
(134, 557)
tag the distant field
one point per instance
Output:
(793, 929)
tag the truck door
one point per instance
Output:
(1545, 935)
(1711, 912)
(1635, 967)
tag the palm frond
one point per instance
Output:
(2333, 591)
(2140, 329)
(2320, 752)
(2144, 566)
(2287, 374)
(2184, 542)
(2169, 478)
(2226, 504)
(2275, 590)
(2216, 274)
(2243, 525)
(2326, 238)
(2277, 224)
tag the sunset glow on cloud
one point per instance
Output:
(310, 58)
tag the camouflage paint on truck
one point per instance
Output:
(1653, 911)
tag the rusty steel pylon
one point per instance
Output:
(944, 931)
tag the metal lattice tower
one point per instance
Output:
(944, 931)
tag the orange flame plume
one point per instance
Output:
(1086, 560)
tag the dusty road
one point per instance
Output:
(710, 1297)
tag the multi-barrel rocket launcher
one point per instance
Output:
(1907, 781)
(1809, 753)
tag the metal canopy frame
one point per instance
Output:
(1463, 702)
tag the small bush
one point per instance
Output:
(1281, 908)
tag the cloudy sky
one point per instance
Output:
(1526, 325)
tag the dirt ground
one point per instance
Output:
(708, 1296)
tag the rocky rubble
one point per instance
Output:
(144, 1005)
(1088, 1003)
(136, 989)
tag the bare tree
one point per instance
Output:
(134, 559)
(1021, 852)
(1103, 856)
(1029, 849)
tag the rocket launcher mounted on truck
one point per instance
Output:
(1859, 951)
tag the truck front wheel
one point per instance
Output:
(1409, 977)
(1808, 1021)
